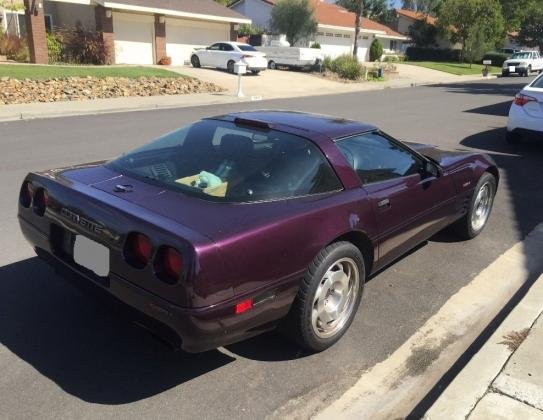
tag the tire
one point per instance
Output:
(512, 137)
(255, 72)
(312, 321)
(471, 225)
(505, 73)
(272, 65)
(195, 61)
(230, 66)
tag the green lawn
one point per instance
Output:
(454, 68)
(23, 71)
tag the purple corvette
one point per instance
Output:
(240, 223)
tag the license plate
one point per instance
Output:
(511, 69)
(91, 255)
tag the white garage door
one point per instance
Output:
(133, 38)
(182, 36)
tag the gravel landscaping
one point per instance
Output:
(18, 91)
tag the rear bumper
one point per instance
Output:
(521, 120)
(192, 329)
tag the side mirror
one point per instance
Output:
(431, 169)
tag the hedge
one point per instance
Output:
(432, 54)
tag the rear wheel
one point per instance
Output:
(474, 221)
(230, 66)
(195, 61)
(255, 72)
(272, 65)
(328, 297)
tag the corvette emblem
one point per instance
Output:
(81, 221)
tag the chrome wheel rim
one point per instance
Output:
(335, 298)
(481, 207)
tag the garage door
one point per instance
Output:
(182, 36)
(133, 38)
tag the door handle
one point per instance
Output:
(383, 203)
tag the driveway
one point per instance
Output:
(283, 84)
(63, 356)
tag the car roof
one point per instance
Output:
(329, 126)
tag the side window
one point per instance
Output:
(226, 47)
(375, 158)
(215, 47)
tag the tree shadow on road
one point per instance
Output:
(487, 88)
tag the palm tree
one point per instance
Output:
(357, 24)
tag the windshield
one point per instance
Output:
(538, 83)
(220, 161)
(244, 47)
(522, 55)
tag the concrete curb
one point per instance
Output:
(31, 111)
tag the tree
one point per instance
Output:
(423, 6)
(357, 25)
(377, 10)
(423, 34)
(294, 18)
(224, 2)
(514, 12)
(462, 19)
(376, 50)
(531, 28)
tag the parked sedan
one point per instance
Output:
(224, 55)
(237, 224)
(526, 113)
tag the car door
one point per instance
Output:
(209, 55)
(227, 54)
(410, 198)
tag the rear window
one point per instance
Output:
(220, 161)
(247, 48)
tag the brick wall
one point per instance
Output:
(160, 38)
(35, 28)
(104, 25)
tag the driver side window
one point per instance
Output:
(215, 47)
(376, 158)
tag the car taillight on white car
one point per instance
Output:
(521, 99)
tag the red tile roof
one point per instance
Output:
(417, 16)
(334, 15)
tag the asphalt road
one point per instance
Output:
(64, 356)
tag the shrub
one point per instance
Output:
(14, 48)
(83, 46)
(327, 63)
(54, 48)
(432, 54)
(347, 67)
(376, 50)
(316, 45)
(497, 58)
(246, 29)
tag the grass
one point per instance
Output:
(459, 69)
(24, 71)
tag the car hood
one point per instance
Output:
(517, 60)
(449, 160)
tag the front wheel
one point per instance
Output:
(328, 298)
(230, 67)
(272, 65)
(481, 203)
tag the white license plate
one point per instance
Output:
(511, 69)
(91, 255)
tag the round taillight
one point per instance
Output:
(168, 264)
(138, 249)
(39, 202)
(25, 195)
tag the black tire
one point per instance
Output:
(230, 66)
(505, 73)
(298, 325)
(512, 137)
(272, 65)
(464, 228)
(255, 72)
(195, 61)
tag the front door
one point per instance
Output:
(410, 205)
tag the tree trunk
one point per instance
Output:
(359, 7)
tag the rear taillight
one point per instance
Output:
(168, 264)
(39, 201)
(138, 250)
(521, 99)
(25, 195)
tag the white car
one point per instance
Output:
(224, 55)
(523, 63)
(526, 113)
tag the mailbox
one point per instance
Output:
(487, 62)
(240, 68)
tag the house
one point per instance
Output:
(406, 18)
(335, 32)
(135, 31)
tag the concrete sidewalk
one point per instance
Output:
(271, 84)
(504, 380)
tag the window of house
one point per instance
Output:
(329, 34)
(338, 35)
(393, 45)
(376, 158)
(320, 33)
(346, 36)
